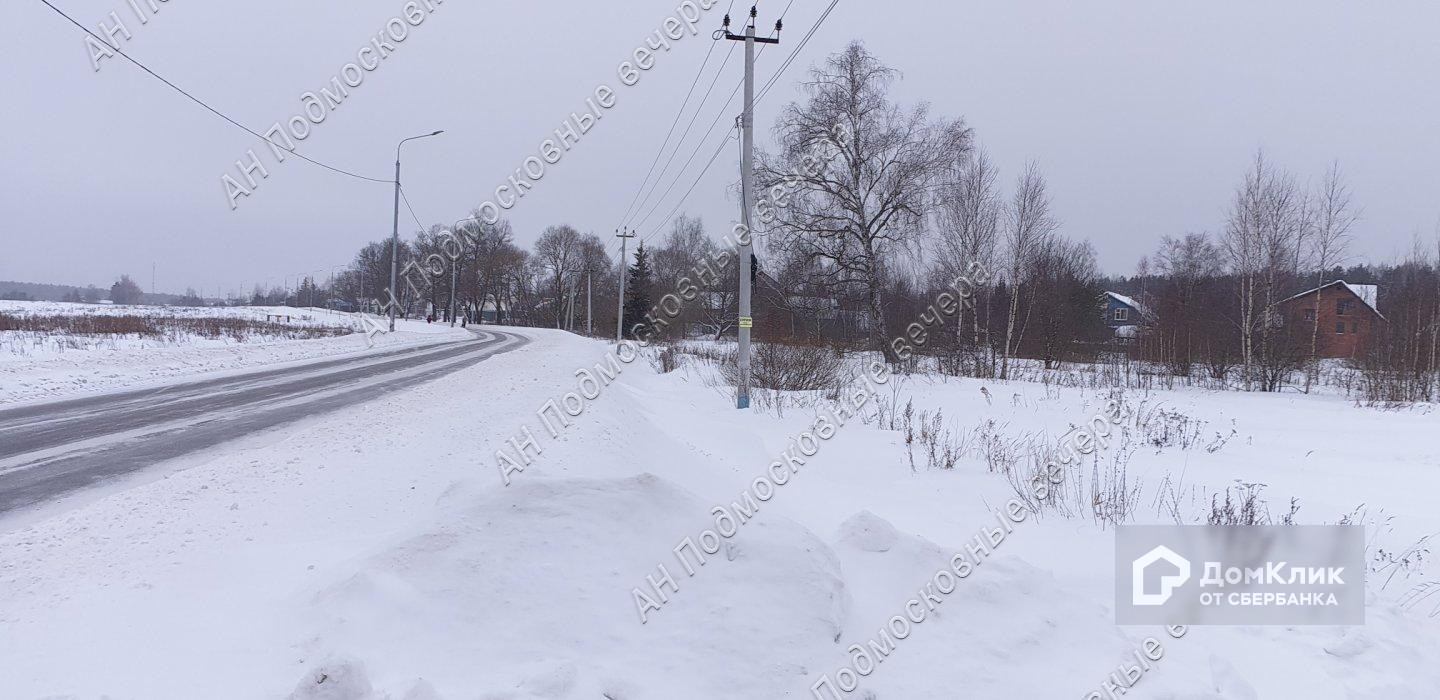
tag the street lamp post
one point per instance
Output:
(395, 230)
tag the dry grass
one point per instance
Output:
(164, 326)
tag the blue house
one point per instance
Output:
(1123, 314)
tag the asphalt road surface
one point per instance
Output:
(52, 449)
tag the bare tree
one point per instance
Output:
(1333, 218)
(684, 246)
(1184, 313)
(1064, 277)
(867, 203)
(489, 263)
(1265, 231)
(717, 306)
(1028, 228)
(677, 257)
(558, 251)
(968, 225)
(593, 265)
(1435, 319)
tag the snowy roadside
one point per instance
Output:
(375, 553)
(125, 364)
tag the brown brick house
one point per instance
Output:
(1348, 316)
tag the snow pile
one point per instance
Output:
(526, 592)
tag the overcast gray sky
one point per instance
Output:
(1142, 114)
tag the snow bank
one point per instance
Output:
(54, 367)
(527, 590)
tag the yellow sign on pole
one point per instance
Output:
(746, 322)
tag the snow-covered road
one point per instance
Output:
(47, 450)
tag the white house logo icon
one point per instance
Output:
(1168, 584)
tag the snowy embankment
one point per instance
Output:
(374, 553)
(43, 366)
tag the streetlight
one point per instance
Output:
(395, 231)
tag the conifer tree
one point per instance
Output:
(638, 287)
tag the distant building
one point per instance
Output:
(489, 311)
(1348, 316)
(1124, 315)
(826, 317)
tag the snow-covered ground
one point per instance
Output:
(375, 552)
(45, 366)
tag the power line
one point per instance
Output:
(679, 143)
(679, 113)
(625, 219)
(406, 199)
(661, 224)
(200, 102)
(791, 58)
(785, 64)
(700, 144)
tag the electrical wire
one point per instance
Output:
(784, 65)
(679, 113)
(661, 224)
(624, 219)
(700, 106)
(200, 102)
(793, 54)
(406, 200)
(700, 144)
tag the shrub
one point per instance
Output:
(791, 367)
(134, 324)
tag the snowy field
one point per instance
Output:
(45, 365)
(375, 552)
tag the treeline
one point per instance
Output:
(856, 246)
(567, 279)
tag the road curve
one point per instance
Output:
(52, 449)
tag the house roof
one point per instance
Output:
(1140, 308)
(1368, 293)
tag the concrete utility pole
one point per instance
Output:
(747, 191)
(589, 317)
(570, 313)
(395, 230)
(624, 235)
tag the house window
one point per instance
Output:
(1122, 314)
(1340, 328)
(1309, 314)
(1342, 306)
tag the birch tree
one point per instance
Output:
(1333, 218)
(968, 213)
(1264, 231)
(558, 250)
(866, 201)
(1028, 228)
